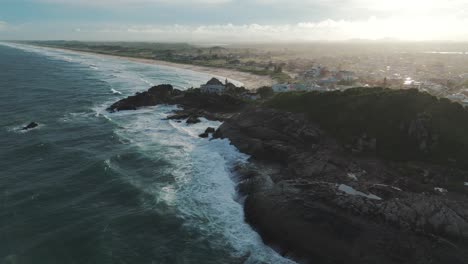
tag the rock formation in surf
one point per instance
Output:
(30, 126)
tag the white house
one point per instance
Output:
(213, 86)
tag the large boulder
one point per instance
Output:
(208, 131)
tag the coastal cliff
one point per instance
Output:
(318, 203)
(326, 189)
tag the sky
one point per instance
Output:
(224, 21)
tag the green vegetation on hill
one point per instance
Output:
(406, 124)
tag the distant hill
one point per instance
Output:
(403, 124)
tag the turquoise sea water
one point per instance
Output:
(87, 186)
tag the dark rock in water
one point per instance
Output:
(208, 131)
(193, 120)
(204, 135)
(30, 126)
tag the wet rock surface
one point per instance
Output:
(209, 131)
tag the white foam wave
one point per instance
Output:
(203, 191)
(115, 91)
(146, 81)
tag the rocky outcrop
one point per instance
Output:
(194, 103)
(30, 126)
(319, 202)
(160, 94)
(209, 131)
(193, 120)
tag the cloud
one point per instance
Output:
(253, 20)
(430, 28)
(353, 8)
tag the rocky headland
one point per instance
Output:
(193, 102)
(318, 203)
(338, 177)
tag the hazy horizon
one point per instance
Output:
(234, 21)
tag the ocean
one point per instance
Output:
(88, 186)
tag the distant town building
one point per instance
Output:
(345, 76)
(279, 88)
(213, 86)
(315, 72)
(327, 81)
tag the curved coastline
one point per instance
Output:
(250, 81)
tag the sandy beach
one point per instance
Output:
(249, 80)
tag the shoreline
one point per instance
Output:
(250, 81)
(301, 181)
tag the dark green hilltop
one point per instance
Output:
(406, 124)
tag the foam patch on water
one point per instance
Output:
(115, 91)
